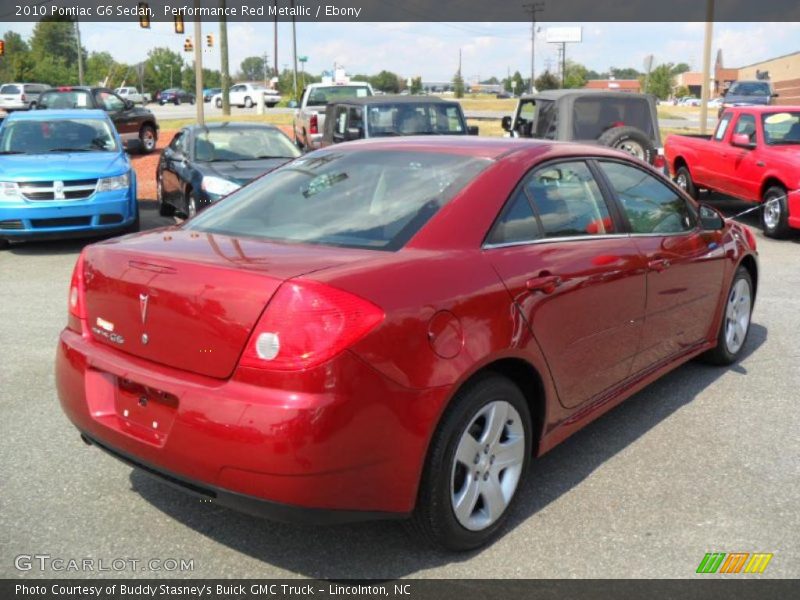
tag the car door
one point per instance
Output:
(685, 264)
(708, 167)
(173, 166)
(742, 171)
(577, 279)
(237, 95)
(123, 120)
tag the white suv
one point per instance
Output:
(21, 96)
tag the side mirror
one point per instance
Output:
(775, 94)
(134, 146)
(742, 140)
(710, 219)
(128, 104)
(353, 133)
(292, 104)
(472, 130)
(505, 123)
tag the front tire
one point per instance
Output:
(735, 323)
(191, 204)
(775, 213)
(164, 209)
(248, 102)
(476, 465)
(683, 178)
(218, 102)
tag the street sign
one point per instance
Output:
(561, 35)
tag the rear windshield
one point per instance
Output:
(593, 116)
(70, 99)
(321, 96)
(749, 88)
(10, 89)
(364, 199)
(415, 119)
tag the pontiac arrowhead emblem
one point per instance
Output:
(143, 298)
(58, 190)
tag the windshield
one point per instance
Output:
(414, 119)
(595, 115)
(57, 135)
(227, 144)
(782, 128)
(320, 96)
(10, 89)
(361, 199)
(749, 88)
(70, 99)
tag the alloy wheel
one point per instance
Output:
(772, 212)
(487, 465)
(737, 315)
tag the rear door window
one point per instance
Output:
(568, 201)
(517, 222)
(10, 89)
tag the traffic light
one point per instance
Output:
(2, 47)
(188, 46)
(144, 15)
(179, 24)
(210, 40)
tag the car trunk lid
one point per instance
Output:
(189, 300)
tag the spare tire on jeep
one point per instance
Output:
(631, 140)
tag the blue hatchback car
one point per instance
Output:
(64, 173)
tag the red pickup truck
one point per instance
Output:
(753, 155)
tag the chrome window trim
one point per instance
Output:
(566, 238)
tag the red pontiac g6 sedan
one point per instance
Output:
(396, 328)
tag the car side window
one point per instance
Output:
(722, 127)
(109, 101)
(516, 223)
(356, 118)
(568, 201)
(650, 205)
(176, 145)
(746, 125)
(341, 121)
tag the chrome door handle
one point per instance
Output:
(659, 264)
(546, 284)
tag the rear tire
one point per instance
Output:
(775, 213)
(147, 135)
(218, 102)
(248, 102)
(4, 244)
(191, 204)
(463, 500)
(735, 324)
(683, 179)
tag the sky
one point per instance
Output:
(430, 50)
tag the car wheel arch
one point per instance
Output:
(680, 162)
(770, 181)
(749, 263)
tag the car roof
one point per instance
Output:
(394, 99)
(230, 125)
(557, 94)
(764, 108)
(479, 147)
(45, 115)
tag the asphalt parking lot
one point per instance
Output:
(706, 459)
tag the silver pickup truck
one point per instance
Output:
(309, 118)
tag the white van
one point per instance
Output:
(21, 96)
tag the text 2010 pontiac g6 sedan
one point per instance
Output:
(395, 328)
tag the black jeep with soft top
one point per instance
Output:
(620, 120)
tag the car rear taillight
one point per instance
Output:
(306, 324)
(22, 98)
(313, 124)
(659, 162)
(76, 303)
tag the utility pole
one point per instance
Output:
(223, 60)
(80, 52)
(266, 69)
(533, 8)
(294, 51)
(706, 66)
(198, 67)
(275, 50)
(563, 64)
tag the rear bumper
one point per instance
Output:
(101, 213)
(355, 441)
